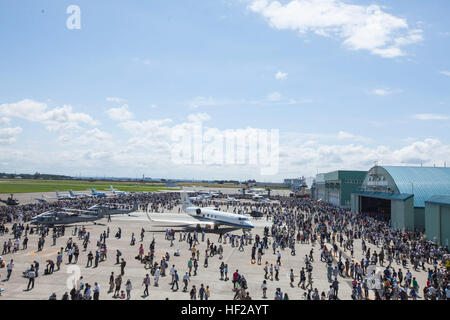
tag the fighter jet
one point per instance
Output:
(98, 194)
(41, 200)
(79, 195)
(117, 192)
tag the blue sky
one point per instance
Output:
(358, 82)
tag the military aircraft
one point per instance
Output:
(70, 216)
(41, 200)
(79, 195)
(117, 192)
(10, 201)
(98, 194)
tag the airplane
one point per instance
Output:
(257, 196)
(108, 210)
(264, 200)
(10, 201)
(98, 194)
(70, 216)
(231, 199)
(197, 198)
(41, 200)
(60, 217)
(209, 216)
(79, 195)
(117, 192)
(62, 196)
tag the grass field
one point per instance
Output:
(28, 186)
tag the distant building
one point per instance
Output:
(336, 187)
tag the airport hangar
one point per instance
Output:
(411, 198)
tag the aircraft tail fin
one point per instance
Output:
(71, 193)
(185, 201)
(111, 188)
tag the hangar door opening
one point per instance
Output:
(379, 209)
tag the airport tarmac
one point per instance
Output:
(45, 285)
(30, 198)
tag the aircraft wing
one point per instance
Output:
(181, 222)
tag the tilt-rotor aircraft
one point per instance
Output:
(10, 201)
(70, 216)
(209, 216)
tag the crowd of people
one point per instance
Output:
(380, 262)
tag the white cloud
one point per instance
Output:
(5, 121)
(430, 116)
(202, 102)
(56, 120)
(360, 27)
(199, 117)
(281, 75)
(8, 135)
(120, 114)
(445, 73)
(342, 135)
(115, 99)
(382, 92)
(274, 96)
(94, 137)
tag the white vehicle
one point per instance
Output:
(210, 216)
(117, 192)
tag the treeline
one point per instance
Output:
(37, 175)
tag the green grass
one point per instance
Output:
(28, 186)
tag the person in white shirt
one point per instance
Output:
(172, 273)
(9, 269)
(157, 274)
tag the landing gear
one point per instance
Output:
(216, 227)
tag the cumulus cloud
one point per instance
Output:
(4, 121)
(8, 135)
(281, 75)
(274, 96)
(115, 99)
(359, 27)
(120, 114)
(445, 73)
(94, 137)
(430, 116)
(56, 120)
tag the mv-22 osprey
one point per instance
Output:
(70, 216)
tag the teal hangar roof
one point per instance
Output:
(423, 182)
